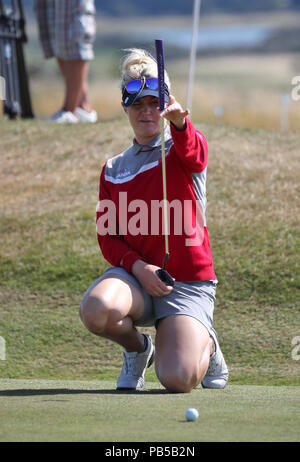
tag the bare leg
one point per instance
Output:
(84, 102)
(183, 348)
(75, 74)
(110, 309)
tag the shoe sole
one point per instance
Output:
(216, 386)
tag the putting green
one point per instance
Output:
(50, 410)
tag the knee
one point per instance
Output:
(180, 380)
(94, 313)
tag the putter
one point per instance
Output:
(162, 273)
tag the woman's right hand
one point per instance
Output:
(146, 275)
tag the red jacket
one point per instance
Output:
(129, 219)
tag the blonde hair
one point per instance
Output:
(139, 63)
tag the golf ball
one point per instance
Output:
(191, 414)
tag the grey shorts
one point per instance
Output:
(195, 299)
(67, 28)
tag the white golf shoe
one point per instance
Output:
(217, 373)
(85, 116)
(64, 117)
(132, 376)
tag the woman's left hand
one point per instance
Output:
(175, 114)
(146, 275)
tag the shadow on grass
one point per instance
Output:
(67, 391)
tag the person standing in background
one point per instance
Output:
(67, 30)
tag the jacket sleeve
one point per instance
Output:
(190, 146)
(112, 244)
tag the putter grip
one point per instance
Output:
(161, 73)
(165, 277)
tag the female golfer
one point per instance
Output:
(130, 232)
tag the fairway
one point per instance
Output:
(56, 410)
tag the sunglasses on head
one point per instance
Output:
(134, 89)
(134, 86)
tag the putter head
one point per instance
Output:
(165, 277)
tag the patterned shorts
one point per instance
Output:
(67, 28)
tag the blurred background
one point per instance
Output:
(247, 55)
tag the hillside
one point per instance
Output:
(49, 253)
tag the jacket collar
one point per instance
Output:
(155, 143)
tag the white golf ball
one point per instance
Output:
(191, 414)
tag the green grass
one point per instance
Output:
(49, 253)
(40, 410)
